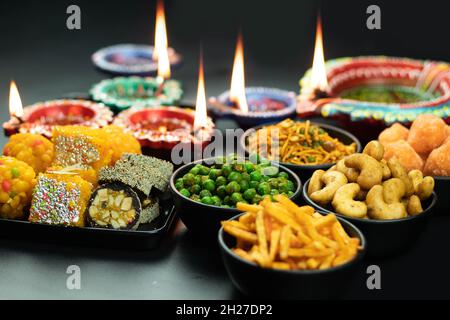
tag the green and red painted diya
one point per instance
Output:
(124, 92)
(380, 89)
(42, 117)
(164, 127)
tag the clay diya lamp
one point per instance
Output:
(160, 129)
(251, 106)
(138, 59)
(41, 117)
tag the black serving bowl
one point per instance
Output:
(442, 187)
(305, 171)
(205, 219)
(256, 281)
(386, 237)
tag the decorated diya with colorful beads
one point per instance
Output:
(124, 92)
(42, 117)
(380, 89)
(264, 105)
(163, 127)
(132, 59)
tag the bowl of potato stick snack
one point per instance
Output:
(285, 251)
(301, 146)
(386, 202)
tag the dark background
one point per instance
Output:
(47, 60)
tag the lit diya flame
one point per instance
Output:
(319, 73)
(237, 90)
(160, 52)
(201, 118)
(15, 103)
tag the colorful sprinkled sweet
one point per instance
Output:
(17, 180)
(60, 199)
(394, 133)
(427, 133)
(438, 162)
(34, 149)
(121, 142)
(405, 154)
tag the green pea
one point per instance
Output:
(194, 170)
(255, 176)
(244, 185)
(265, 178)
(226, 170)
(207, 200)
(221, 191)
(198, 180)
(195, 197)
(204, 170)
(179, 184)
(234, 176)
(236, 197)
(195, 189)
(283, 175)
(185, 192)
(249, 194)
(245, 176)
(283, 187)
(188, 179)
(274, 192)
(273, 182)
(253, 184)
(290, 193)
(227, 200)
(209, 185)
(219, 161)
(217, 201)
(290, 185)
(225, 206)
(239, 167)
(214, 173)
(232, 187)
(221, 181)
(263, 188)
(205, 193)
(249, 167)
(310, 159)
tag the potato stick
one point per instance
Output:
(260, 258)
(326, 263)
(302, 265)
(324, 221)
(247, 218)
(312, 232)
(261, 232)
(244, 255)
(282, 208)
(342, 232)
(312, 263)
(305, 211)
(303, 237)
(282, 216)
(238, 224)
(245, 207)
(241, 234)
(317, 245)
(342, 258)
(338, 236)
(317, 215)
(303, 253)
(274, 243)
(285, 241)
(292, 263)
(281, 265)
(295, 242)
(268, 225)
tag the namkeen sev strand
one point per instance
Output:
(282, 235)
(298, 143)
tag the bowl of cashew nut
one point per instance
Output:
(387, 203)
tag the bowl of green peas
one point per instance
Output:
(206, 191)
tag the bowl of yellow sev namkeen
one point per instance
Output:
(284, 251)
(301, 146)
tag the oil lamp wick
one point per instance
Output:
(160, 83)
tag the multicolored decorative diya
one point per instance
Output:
(124, 92)
(132, 59)
(41, 117)
(380, 89)
(264, 105)
(163, 127)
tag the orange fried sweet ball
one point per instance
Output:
(427, 133)
(438, 162)
(405, 154)
(394, 133)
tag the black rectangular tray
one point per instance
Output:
(147, 236)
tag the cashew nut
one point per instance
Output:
(398, 171)
(371, 172)
(333, 180)
(315, 183)
(423, 186)
(350, 173)
(344, 203)
(414, 205)
(374, 149)
(393, 190)
(386, 170)
(377, 208)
